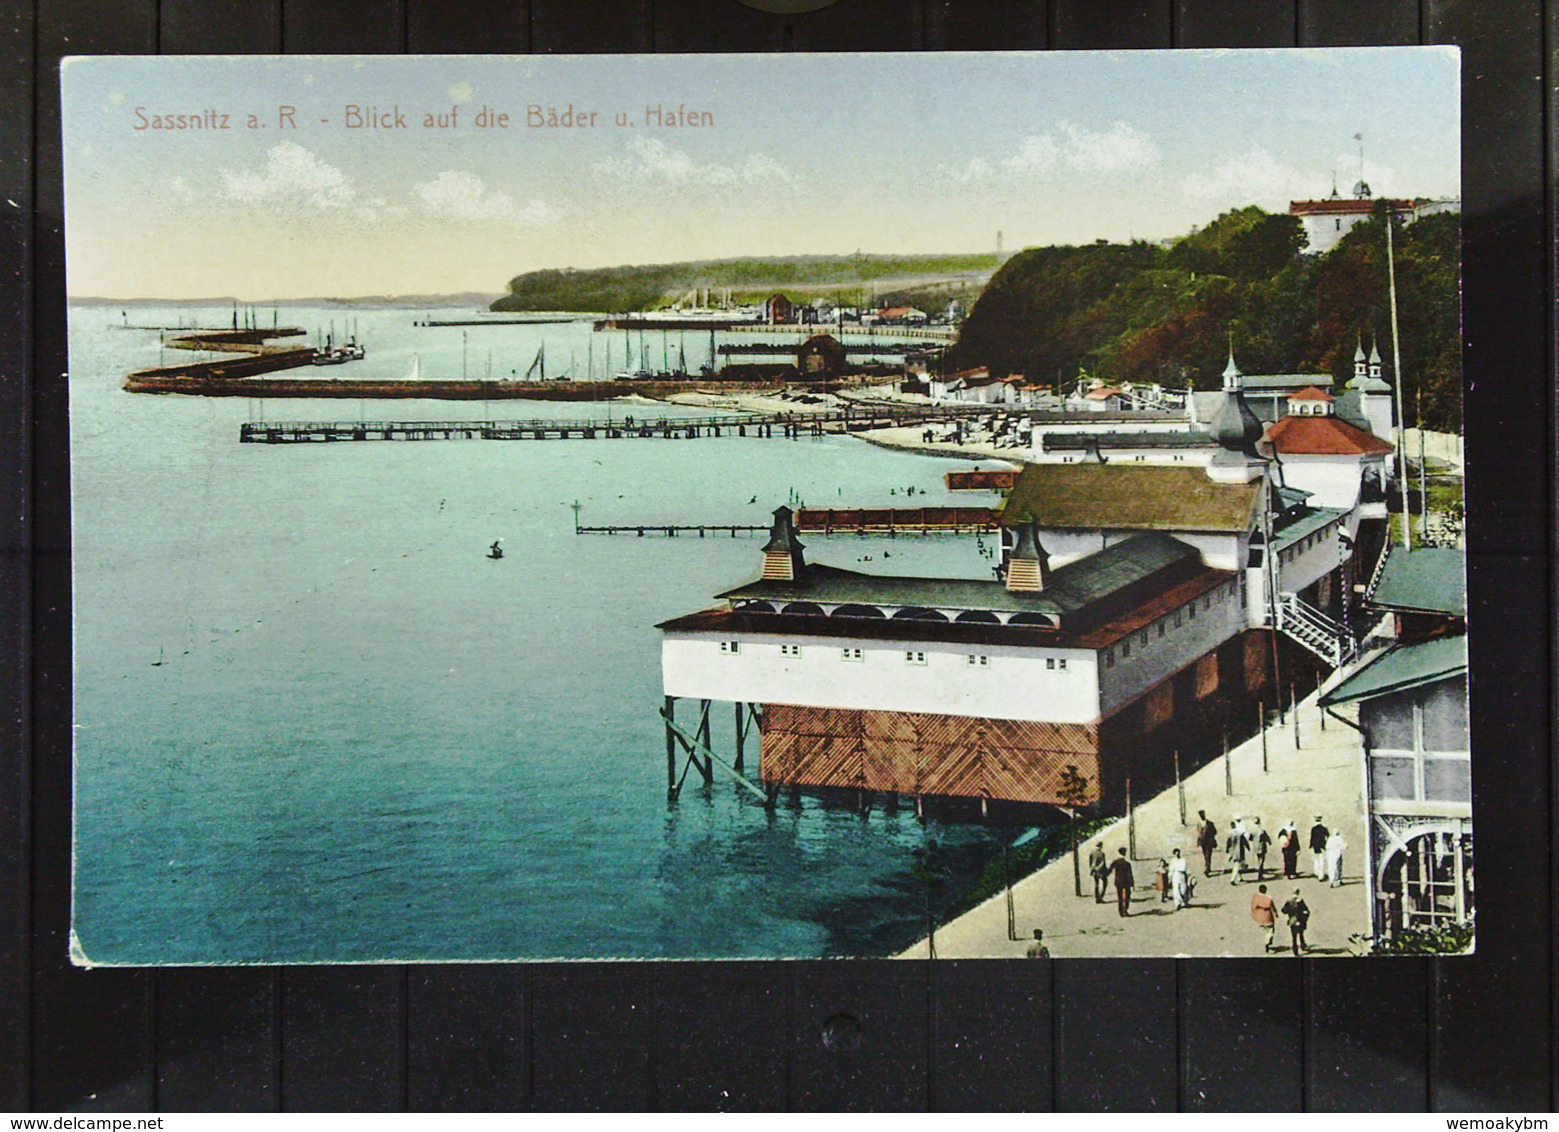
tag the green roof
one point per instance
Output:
(1070, 588)
(1430, 579)
(1314, 519)
(1126, 497)
(1401, 668)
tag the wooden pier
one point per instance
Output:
(830, 521)
(791, 426)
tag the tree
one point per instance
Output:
(1074, 792)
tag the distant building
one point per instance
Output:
(820, 356)
(1412, 702)
(778, 310)
(1328, 221)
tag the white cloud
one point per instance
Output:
(1115, 150)
(652, 161)
(1251, 176)
(292, 175)
(461, 196)
(1036, 154)
(977, 169)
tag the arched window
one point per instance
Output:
(803, 607)
(858, 611)
(917, 614)
(756, 607)
(979, 616)
(1038, 619)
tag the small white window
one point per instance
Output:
(1125, 648)
(1109, 658)
(1191, 610)
(790, 650)
(730, 648)
(914, 657)
(979, 661)
(1142, 639)
(1061, 664)
(1161, 629)
(1050, 664)
(852, 654)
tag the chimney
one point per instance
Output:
(1028, 567)
(782, 558)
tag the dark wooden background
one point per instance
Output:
(1075, 1035)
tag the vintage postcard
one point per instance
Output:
(933, 505)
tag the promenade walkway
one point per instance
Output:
(1323, 776)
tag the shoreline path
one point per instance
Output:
(1324, 776)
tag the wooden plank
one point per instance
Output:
(1487, 1009)
(217, 1040)
(323, 27)
(467, 1039)
(16, 152)
(1367, 1045)
(1110, 24)
(1236, 1013)
(482, 27)
(1348, 23)
(92, 1045)
(342, 1039)
(592, 1039)
(859, 1037)
(198, 27)
(990, 1036)
(987, 25)
(858, 25)
(1236, 23)
(584, 27)
(1116, 1048)
(719, 1045)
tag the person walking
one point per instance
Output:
(1288, 847)
(1298, 915)
(1099, 869)
(1180, 880)
(1236, 848)
(1037, 949)
(1260, 841)
(1120, 872)
(1206, 841)
(1336, 846)
(1264, 912)
(1318, 835)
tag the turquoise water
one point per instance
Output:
(365, 740)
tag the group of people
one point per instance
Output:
(1246, 843)
(1173, 880)
(1296, 914)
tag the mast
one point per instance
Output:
(1396, 361)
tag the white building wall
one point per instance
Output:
(1132, 665)
(1333, 481)
(1218, 550)
(1013, 683)
(1297, 568)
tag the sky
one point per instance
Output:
(792, 155)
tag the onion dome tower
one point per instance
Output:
(1237, 431)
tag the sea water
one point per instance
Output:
(315, 722)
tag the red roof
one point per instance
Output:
(1107, 392)
(1323, 436)
(1363, 205)
(1311, 393)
